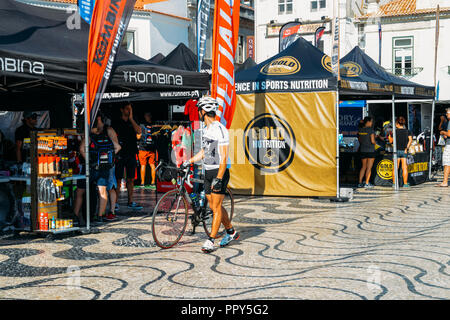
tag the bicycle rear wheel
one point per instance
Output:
(228, 205)
(170, 218)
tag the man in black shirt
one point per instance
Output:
(127, 129)
(23, 132)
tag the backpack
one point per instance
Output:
(102, 152)
(147, 139)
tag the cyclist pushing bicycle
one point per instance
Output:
(214, 153)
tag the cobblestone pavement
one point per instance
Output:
(380, 245)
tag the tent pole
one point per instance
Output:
(338, 193)
(394, 156)
(433, 105)
(86, 145)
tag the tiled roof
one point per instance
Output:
(398, 8)
(139, 6)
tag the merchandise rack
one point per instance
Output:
(33, 180)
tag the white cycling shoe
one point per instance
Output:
(208, 246)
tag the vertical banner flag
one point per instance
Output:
(379, 42)
(202, 27)
(110, 20)
(318, 35)
(86, 7)
(225, 38)
(288, 34)
(335, 48)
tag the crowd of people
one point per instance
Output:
(113, 146)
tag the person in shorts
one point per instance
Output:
(214, 153)
(127, 129)
(147, 150)
(404, 140)
(103, 146)
(366, 138)
(446, 154)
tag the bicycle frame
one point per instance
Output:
(196, 218)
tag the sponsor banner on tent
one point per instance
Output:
(108, 25)
(143, 96)
(280, 145)
(284, 85)
(226, 28)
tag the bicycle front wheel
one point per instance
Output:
(228, 205)
(170, 218)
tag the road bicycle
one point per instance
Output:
(175, 208)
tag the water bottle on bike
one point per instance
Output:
(194, 199)
(202, 198)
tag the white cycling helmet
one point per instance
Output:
(207, 103)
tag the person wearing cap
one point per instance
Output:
(214, 156)
(29, 123)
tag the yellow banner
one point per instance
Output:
(284, 144)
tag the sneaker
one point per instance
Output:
(406, 185)
(134, 206)
(99, 220)
(152, 187)
(360, 185)
(208, 246)
(228, 238)
(110, 217)
(368, 185)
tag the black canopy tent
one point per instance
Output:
(293, 92)
(362, 76)
(157, 58)
(39, 51)
(184, 59)
(43, 59)
(248, 63)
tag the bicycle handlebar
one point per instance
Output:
(187, 176)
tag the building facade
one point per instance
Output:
(271, 15)
(153, 29)
(408, 33)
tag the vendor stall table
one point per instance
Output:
(350, 165)
(417, 169)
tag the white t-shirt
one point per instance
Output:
(214, 136)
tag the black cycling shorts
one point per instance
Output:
(210, 175)
(128, 163)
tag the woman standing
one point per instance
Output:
(366, 138)
(404, 140)
(103, 146)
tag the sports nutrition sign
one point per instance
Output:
(269, 143)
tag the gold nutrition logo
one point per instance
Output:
(326, 63)
(385, 169)
(269, 143)
(282, 66)
(350, 69)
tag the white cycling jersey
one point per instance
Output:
(214, 136)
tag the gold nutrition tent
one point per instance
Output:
(283, 135)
